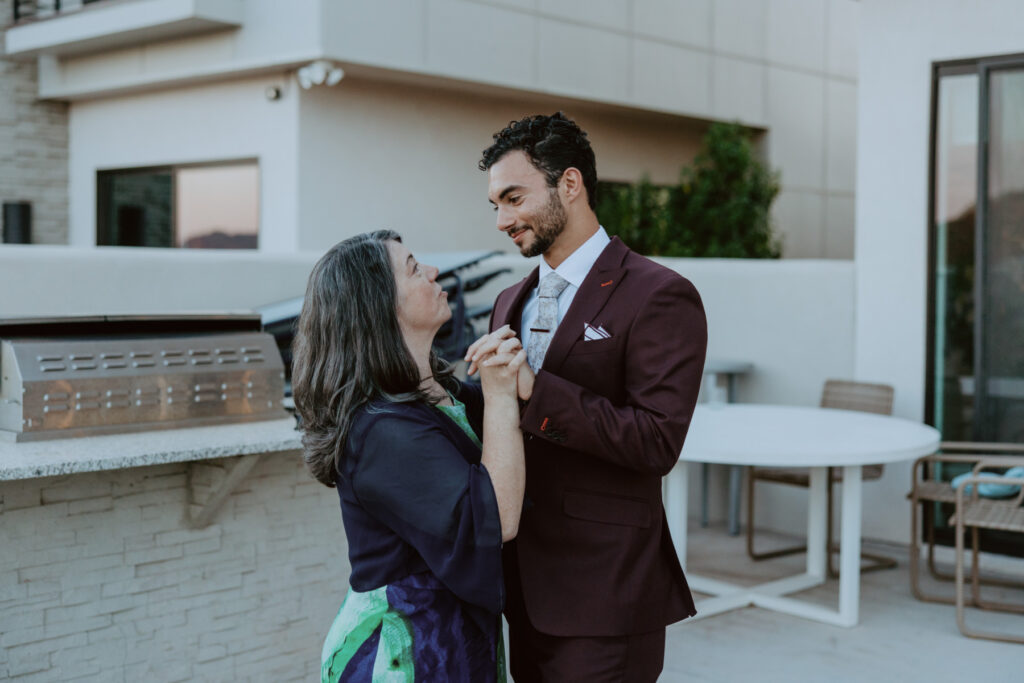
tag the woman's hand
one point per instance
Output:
(488, 345)
(499, 357)
(500, 370)
(485, 346)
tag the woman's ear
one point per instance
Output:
(571, 184)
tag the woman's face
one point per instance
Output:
(422, 304)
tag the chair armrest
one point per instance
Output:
(980, 447)
(937, 458)
(980, 462)
(973, 481)
(990, 461)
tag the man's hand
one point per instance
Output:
(524, 382)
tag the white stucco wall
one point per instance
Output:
(375, 154)
(44, 281)
(900, 41)
(223, 121)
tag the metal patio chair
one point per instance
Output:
(976, 512)
(843, 395)
(927, 492)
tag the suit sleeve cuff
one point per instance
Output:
(534, 418)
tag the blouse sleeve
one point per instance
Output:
(411, 477)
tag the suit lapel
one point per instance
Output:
(507, 308)
(604, 277)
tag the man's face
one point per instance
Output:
(529, 211)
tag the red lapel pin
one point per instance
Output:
(605, 284)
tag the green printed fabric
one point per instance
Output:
(359, 618)
(457, 413)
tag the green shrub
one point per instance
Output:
(720, 208)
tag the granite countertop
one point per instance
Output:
(121, 451)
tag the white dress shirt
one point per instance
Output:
(574, 269)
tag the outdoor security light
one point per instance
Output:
(320, 72)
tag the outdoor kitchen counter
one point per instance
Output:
(33, 459)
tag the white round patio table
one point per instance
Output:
(784, 436)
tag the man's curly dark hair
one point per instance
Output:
(553, 144)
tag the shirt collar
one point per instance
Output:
(575, 268)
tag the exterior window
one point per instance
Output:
(200, 207)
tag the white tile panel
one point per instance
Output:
(796, 33)
(843, 37)
(682, 21)
(739, 27)
(383, 33)
(583, 61)
(796, 135)
(672, 78)
(738, 90)
(481, 42)
(525, 5)
(840, 214)
(607, 13)
(840, 136)
(799, 220)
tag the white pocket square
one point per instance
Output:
(591, 333)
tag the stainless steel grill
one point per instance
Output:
(62, 377)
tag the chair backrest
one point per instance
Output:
(862, 396)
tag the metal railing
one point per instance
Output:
(25, 10)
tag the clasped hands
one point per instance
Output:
(500, 356)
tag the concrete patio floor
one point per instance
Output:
(898, 638)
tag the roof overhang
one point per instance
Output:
(118, 24)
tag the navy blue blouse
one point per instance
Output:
(415, 498)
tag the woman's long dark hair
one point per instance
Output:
(349, 350)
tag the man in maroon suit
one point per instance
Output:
(617, 343)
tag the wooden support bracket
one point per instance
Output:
(200, 513)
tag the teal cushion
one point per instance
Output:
(992, 490)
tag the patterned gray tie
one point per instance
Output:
(543, 328)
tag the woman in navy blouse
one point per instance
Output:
(429, 470)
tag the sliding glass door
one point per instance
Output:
(999, 329)
(976, 355)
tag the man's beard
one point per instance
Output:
(546, 227)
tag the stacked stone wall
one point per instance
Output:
(33, 145)
(101, 579)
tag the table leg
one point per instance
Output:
(675, 507)
(735, 471)
(817, 501)
(710, 387)
(849, 547)
(772, 595)
(735, 479)
(705, 479)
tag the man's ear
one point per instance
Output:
(571, 184)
